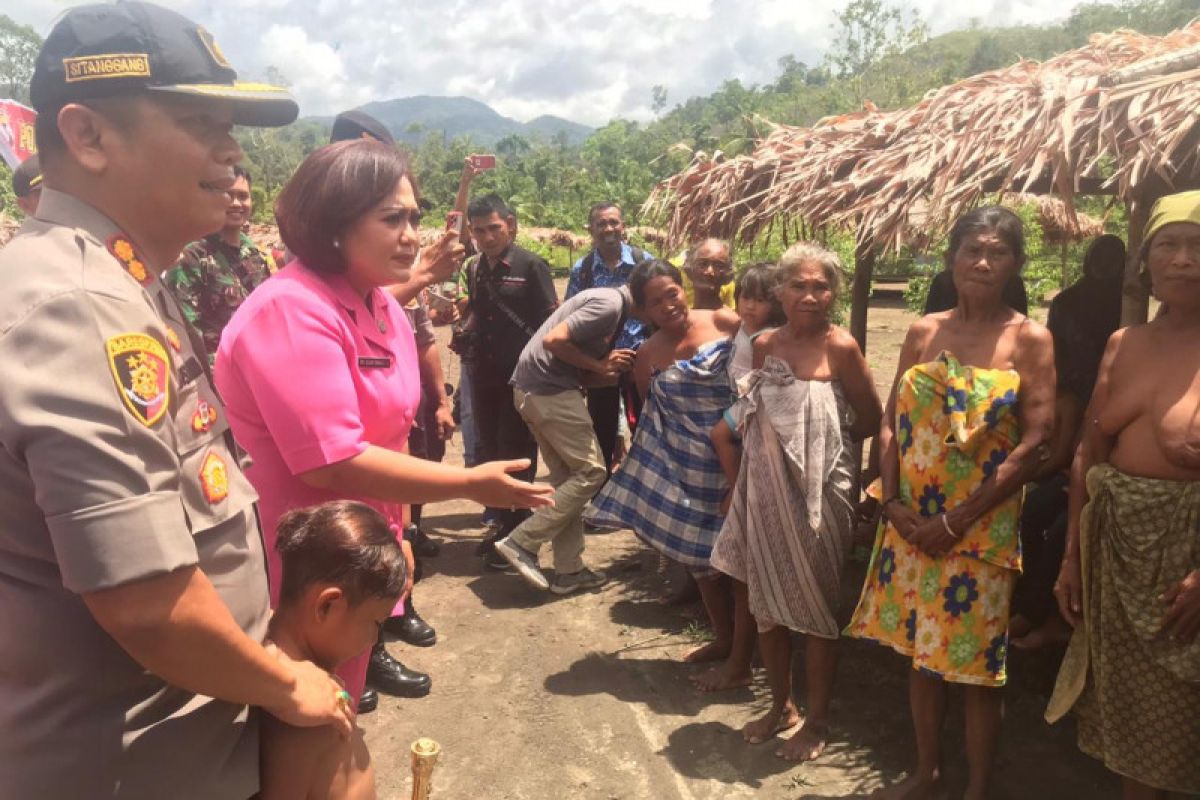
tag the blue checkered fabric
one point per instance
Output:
(670, 485)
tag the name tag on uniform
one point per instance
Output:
(374, 363)
(190, 370)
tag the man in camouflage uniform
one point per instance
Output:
(215, 274)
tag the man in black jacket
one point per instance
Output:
(510, 294)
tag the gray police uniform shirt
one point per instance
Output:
(114, 467)
(592, 319)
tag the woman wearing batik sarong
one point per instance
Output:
(967, 422)
(1130, 581)
(670, 486)
(791, 514)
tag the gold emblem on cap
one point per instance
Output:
(214, 50)
(107, 65)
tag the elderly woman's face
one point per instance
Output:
(806, 295)
(381, 246)
(983, 264)
(1174, 262)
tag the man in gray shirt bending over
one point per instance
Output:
(572, 348)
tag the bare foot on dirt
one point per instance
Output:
(720, 678)
(713, 651)
(914, 787)
(1054, 631)
(807, 743)
(774, 721)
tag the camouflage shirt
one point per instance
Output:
(212, 279)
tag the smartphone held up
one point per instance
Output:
(482, 162)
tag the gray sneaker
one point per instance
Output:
(523, 561)
(575, 581)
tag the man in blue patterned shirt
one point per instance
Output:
(608, 264)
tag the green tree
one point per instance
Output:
(19, 46)
(658, 99)
(869, 30)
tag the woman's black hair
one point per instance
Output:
(342, 543)
(988, 218)
(1105, 249)
(647, 271)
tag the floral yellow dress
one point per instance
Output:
(955, 425)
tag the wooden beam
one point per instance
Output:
(860, 297)
(1135, 300)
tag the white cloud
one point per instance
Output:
(586, 62)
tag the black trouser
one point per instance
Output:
(503, 436)
(424, 442)
(1043, 539)
(604, 407)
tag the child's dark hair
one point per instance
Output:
(759, 281)
(343, 543)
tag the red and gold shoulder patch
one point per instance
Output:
(204, 418)
(214, 477)
(140, 367)
(173, 339)
(122, 250)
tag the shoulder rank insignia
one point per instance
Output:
(214, 478)
(204, 418)
(122, 250)
(173, 339)
(140, 367)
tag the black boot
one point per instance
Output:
(410, 628)
(368, 701)
(389, 676)
(422, 545)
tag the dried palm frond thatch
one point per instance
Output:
(1103, 117)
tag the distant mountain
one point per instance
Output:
(411, 119)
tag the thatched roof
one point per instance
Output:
(8, 229)
(1100, 118)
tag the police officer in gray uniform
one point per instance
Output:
(132, 578)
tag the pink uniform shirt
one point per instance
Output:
(311, 376)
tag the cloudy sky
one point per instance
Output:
(588, 62)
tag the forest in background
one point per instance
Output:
(882, 53)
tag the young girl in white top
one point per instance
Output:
(760, 311)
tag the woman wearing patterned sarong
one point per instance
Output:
(791, 513)
(1130, 581)
(670, 486)
(966, 423)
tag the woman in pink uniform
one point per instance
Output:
(318, 368)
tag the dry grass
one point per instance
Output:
(1124, 103)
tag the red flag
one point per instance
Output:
(16, 132)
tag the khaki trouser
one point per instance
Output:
(563, 429)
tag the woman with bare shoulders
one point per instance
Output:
(966, 425)
(670, 486)
(791, 515)
(1130, 580)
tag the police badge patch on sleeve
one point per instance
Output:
(140, 367)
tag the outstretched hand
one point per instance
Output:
(493, 486)
(440, 260)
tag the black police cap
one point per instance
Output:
(355, 123)
(27, 177)
(124, 48)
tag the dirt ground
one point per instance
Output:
(537, 697)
